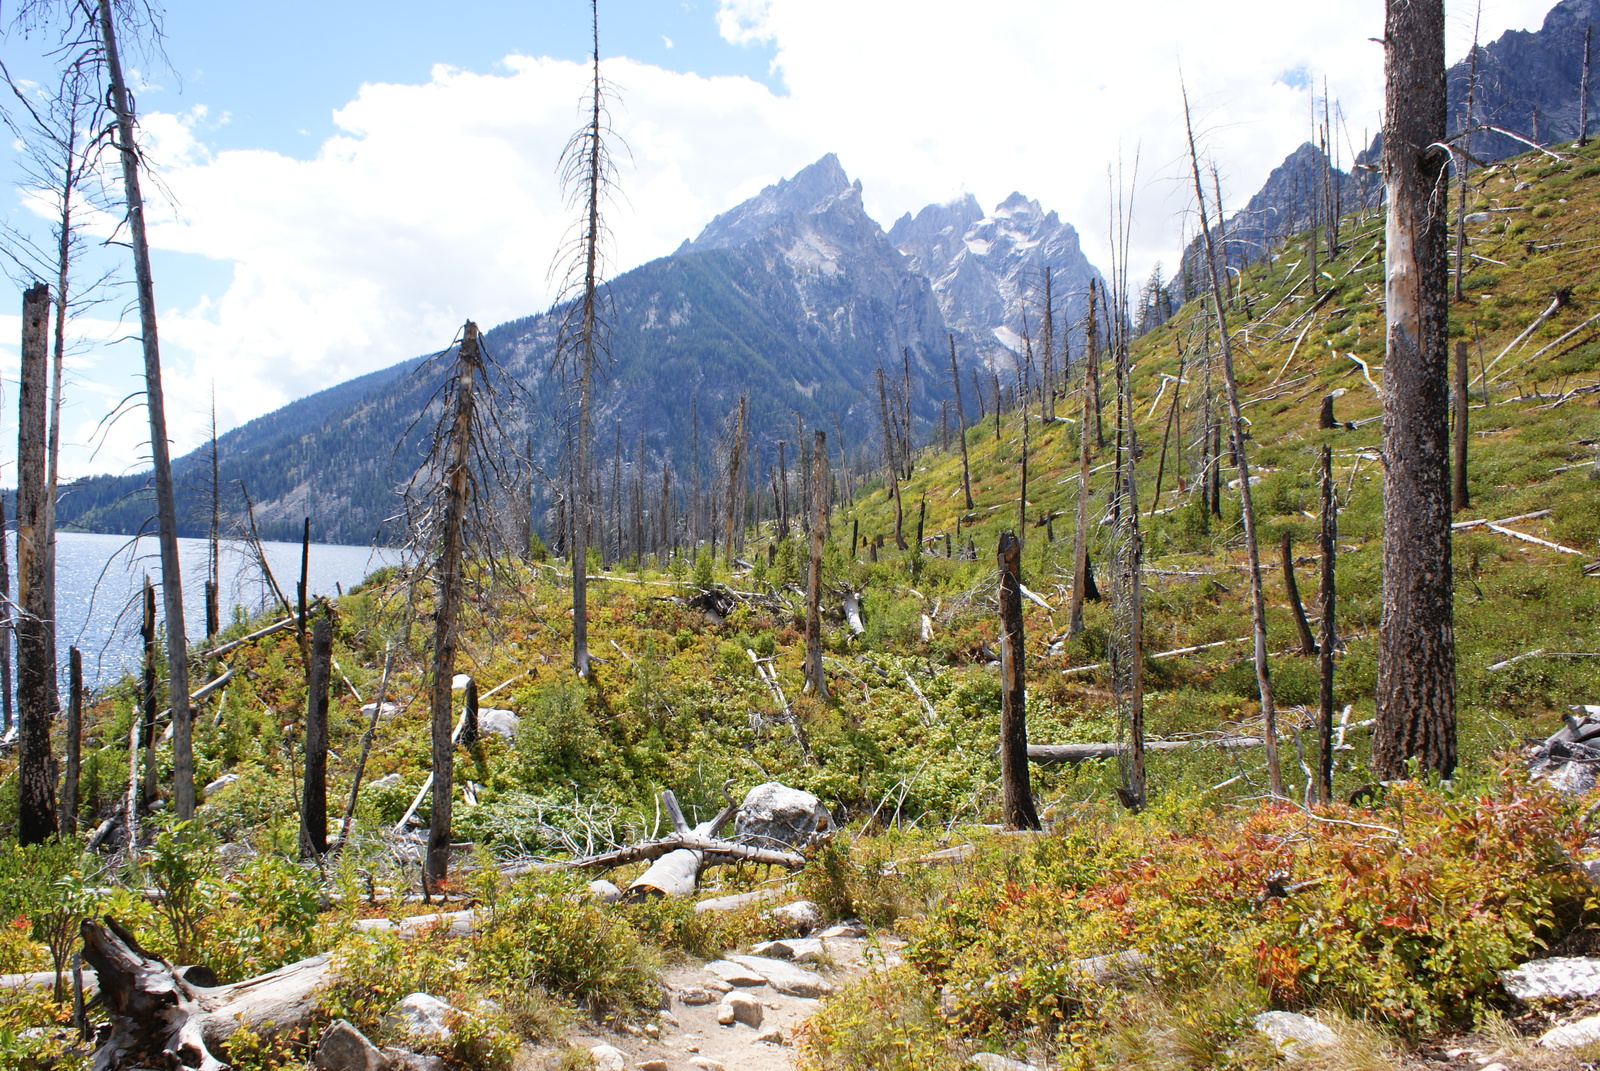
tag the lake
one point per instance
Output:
(99, 579)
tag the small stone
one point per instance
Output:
(669, 1020)
(1291, 1030)
(502, 723)
(736, 974)
(785, 977)
(707, 1064)
(608, 1058)
(219, 784)
(695, 995)
(385, 781)
(1573, 1035)
(1557, 978)
(740, 1008)
(651, 1031)
(988, 1061)
(423, 1016)
(802, 916)
(772, 1037)
(344, 1048)
(653, 1065)
(389, 710)
(797, 949)
(405, 1060)
(848, 928)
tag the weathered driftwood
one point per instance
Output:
(1048, 754)
(680, 855)
(160, 1020)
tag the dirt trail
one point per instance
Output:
(688, 1034)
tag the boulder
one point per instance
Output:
(389, 710)
(604, 891)
(786, 977)
(847, 928)
(654, 1065)
(773, 1037)
(502, 723)
(988, 1061)
(422, 1016)
(736, 975)
(344, 1048)
(1291, 1031)
(777, 816)
(740, 1008)
(802, 916)
(459, 682)
(1578, 1035)
(1115, 967)
(405, 1060)
(385, 781)
(219, 784)
(795, 949)
(1557, 978)
(608, 1058)
(696, 995)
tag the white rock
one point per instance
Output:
(849, 928)
(777, 816)
(802, 916)
(772, 1037)
(736, 974)
(385, 781)
(1291, 1030)
(695, 995)
(989, 1061)
(739, 1007)
(499, 722)
(604, 891)
(654, 1065)
(797, 949)
(421, 1016)
(405, 1060)
(786, 977)
(705, 1063)
(221, 783)
(1476, 217)
(459, 682)
(1115, 967)
(1573, 1035)
(608, 1058)
(344, 1048)
(1557, 978)
(1573, 778)
(389, 710)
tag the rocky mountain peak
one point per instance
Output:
(819, 189)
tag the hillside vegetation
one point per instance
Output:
(1405, 903)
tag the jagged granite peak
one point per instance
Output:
(988, 270)
(819, 189)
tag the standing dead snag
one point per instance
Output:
(1416, 647)
(816, 680)
(69, 780)
(961, 424)
(314, 797)
(36, 661)
(1459, 499)
(155, 405)
(1308, 646)
(1081, 579)
(1330, 535)
(1016, 796)
(1258, 607)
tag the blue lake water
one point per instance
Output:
(99, 579)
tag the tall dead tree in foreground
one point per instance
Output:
(1258, 606)
(588, 174)
(1327, 638)
(1016, 795)
(314, 795)
(816, 680)
(155, 405)
(36, 661)
(1416, 646)
(1459, 498)
(1583, 89)
(961, 424)
(1080, 531)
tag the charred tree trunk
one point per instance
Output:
(1081, 580)
(36, 660)
(314, 793)
(147, 696)
(1583, 90)
(7, 624)
(1092, 369)
(155, 405)
(447, 609)
(1308, 645)
(300, 586)
(961, 425)
(816, 680)
(1022, 492)
(1330, 535)
(1459, 500)
(1016, 795)
(74, 743)
(1416, 649)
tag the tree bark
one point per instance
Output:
(36, 662)
(1459, 499)
(1080, 532)
(816, 679)
(1416, 649)
(1330, 535)
(1258, 608)
(69, 780)
(148, 699)
(1308, 645)
(447, 575)
(314, 794)
(1016, 795)
(155, 405)
(7, 626)
(961, 425)
(1583, 90)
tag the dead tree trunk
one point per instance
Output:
(148, 700)
(314, 794)
(1583, 90)
(366, 745)
(1047, 386)
(213, 537)
(36, 660)
(783, 493)
(74, 741)
(300, 586)
(447, 607)
(1330, 535)
(1308, 645)
(1416, 649)
(736, 481)
(155, 406)
(1258, 607)
(891, 459)
(961, 425)
(1092, 371)
(1080, 531)
(816, 680)
(1459, 499)
(1022, 492)
(1016, 795)
(7, 625)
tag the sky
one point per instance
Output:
(342, 183)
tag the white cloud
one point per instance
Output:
(439, 201)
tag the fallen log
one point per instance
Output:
(158, 1019)
(1053, 754)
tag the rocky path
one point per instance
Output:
(740, 1013)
